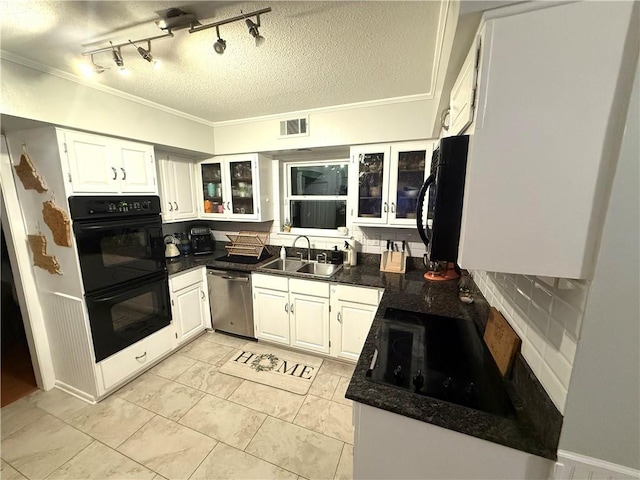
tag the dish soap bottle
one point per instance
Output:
(346, 256)
(283, 253)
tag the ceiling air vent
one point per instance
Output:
(295, 127)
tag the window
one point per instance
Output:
(316, 194)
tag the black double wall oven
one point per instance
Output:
(124, 272)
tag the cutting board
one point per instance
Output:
(502, 340)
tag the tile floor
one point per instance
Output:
(183, 419)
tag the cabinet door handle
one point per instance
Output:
(141, 356)
(170, 207)
(386, 207)
(286, 307)
(393, 207)
(339, 318)
(115, 173)
(228, 207)
(202, 294)
(176, 204)
(291, 308)
(124, 173)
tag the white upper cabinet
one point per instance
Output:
(235, 187)
(99, 164)
(137, 167)
(90, 163)
(384, 181)
(177, 188)
(463, 93)
(554, 85)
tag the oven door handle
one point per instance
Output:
(133, 222)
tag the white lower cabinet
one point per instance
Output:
(309, 315)
(312, 315)
(271, 315)
(291, 311)
(189, 304)
(134, 358)
(391, 446)
(352, 312)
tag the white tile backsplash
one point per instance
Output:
(547, 315)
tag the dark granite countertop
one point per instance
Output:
(183, 263)
(441, 298)
(410, 291)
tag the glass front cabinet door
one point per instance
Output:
(236, 187)
(389, 177)
(369, 180)
(213, 189)
(408, 172)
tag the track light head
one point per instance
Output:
(97, 68)
(219, 45)
(253, 30)
(117, 56)
(144, 53)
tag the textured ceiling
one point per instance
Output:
(316, 54)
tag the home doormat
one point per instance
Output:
(273, 367)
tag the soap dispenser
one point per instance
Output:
(283, 253)
(346, 256)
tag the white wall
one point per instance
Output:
(33, 94)
(602, 416)
(407, 118)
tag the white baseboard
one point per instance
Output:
(573, 466)
(75, 392)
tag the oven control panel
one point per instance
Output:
(82, 207)
(122, 206)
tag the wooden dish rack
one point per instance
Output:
(249, 244)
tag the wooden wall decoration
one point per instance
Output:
(28, 175)
(59, 223)
(38, 244)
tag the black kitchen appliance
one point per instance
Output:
(438, 357)
(201, 240)
(121, 254)
(439, 206)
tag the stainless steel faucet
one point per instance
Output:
(308, 245)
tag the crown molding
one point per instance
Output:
(332, 108)
(11, 57)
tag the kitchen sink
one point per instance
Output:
(319, 269)
(312, 269)
(288, 265)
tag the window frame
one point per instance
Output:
(288, 197)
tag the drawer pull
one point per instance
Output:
(141, 356)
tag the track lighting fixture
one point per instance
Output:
(175, 19)
(253, 30)
(97, 68)
(117, 59)
(220, 45)
(146, 53)
(117, 56)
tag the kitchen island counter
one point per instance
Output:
(536, 426)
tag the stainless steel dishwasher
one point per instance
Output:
(231, 301)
